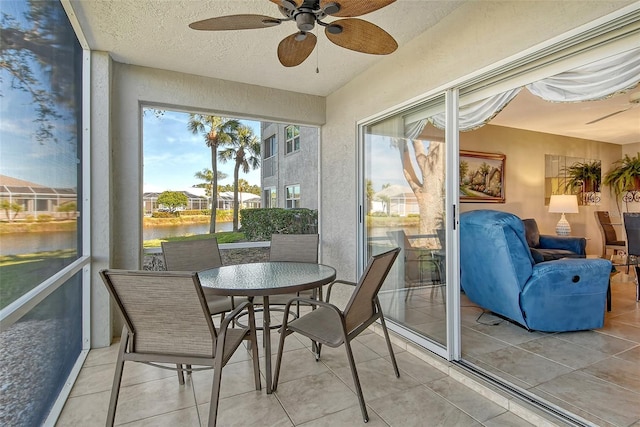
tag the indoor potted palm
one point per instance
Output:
(584, 175)
(625, 175)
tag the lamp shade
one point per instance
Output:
(563, 203)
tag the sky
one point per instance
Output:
(49, 162)
(172, 154)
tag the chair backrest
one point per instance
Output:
(191, 255)
(164, 312)
(495, 259)
(632, 228)
(294, 247)
(410, 254)
(606, 229)
(361, 305)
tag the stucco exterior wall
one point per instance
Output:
(132, 87)
(474, 36)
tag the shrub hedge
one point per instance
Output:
(260, 224)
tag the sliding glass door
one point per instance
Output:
(404, 176)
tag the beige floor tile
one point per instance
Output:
(600, 398)
(563, 352)
(526, 366)
(622, 330)
(416, 368)
(346, 418)
(420, 407)
(249, 409)
(314, 396)
(85, 410)
(377, 379)
(378, 344)
(298, 364)
(632, 355)
(597, 340)
(472, 403)
(184, 418)
(152, 398)
(507, 332)
(475, 342)
(336, 358)
(506, 419)
(623, 373)
(237, 378)
(101, 356)
(98, 378)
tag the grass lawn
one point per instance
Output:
(223, 237)
(21, 273)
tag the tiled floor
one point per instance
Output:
(310, 393)
(594, 374)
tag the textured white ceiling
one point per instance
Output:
(155, 33)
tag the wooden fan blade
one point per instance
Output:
(292, 52)
(350, 8)
(235, 22)
(362, 36)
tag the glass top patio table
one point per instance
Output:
(264, 279)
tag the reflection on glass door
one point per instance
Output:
(404, 191)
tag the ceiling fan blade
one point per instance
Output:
(292, 52)
(607, 116)
(350, 8)
(361, 36)
(235, 22)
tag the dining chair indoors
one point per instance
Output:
(608, 232)
(167, 321)
(329, 325)
(632, 229)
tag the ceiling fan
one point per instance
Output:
(351, 33)
(634, 101)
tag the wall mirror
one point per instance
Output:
(573, 175)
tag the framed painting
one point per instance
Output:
(481, 177)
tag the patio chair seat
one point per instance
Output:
(329, 325)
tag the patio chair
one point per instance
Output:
(609, 236)
(294, 248)
(422, 266)
(329, 325)
(167, 321)
(198, 255)
(194, 256)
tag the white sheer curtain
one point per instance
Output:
(597, 80)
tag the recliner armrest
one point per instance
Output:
(569, 243)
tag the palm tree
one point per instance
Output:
(245, 150)
(217, 132)
(206, 176)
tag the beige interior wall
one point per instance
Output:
(474, 36)
(525, 172)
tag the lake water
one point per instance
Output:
(27, 243)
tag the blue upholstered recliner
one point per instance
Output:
(499, 274)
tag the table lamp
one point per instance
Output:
(563, 203)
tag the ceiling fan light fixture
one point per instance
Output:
(334, 29)
(289, 5)
(301, 36)
(331, 8)
(305, 21)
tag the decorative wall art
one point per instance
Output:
(481, 177)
